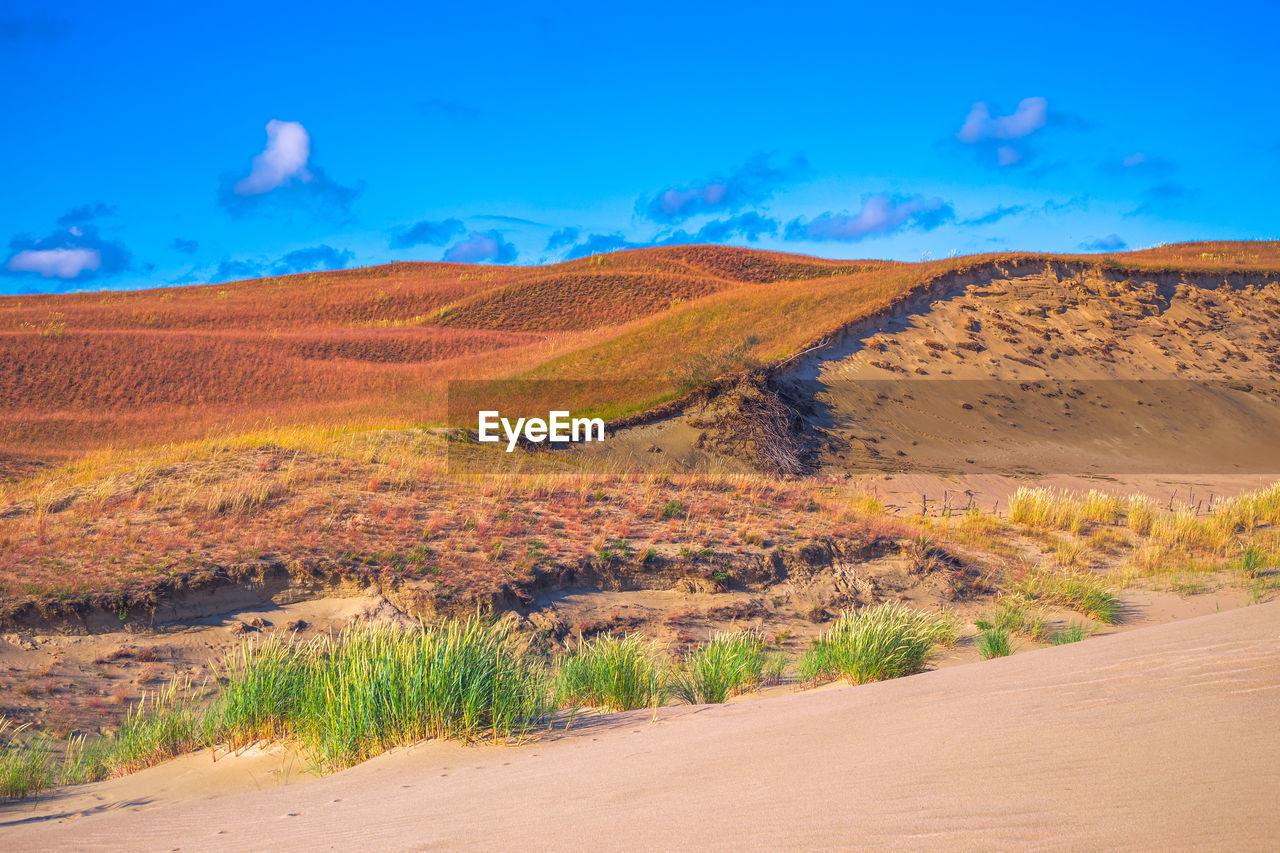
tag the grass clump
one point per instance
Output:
(612, 674)
(1073, 633)
(347, 698)
(1101, 508)
(1046, 509)
(1184, 531)
(1142, 514)
(1079, 592)
(1061, 510)
(24, 763)
(1013, 617)
(877, 643)
(978, 529)
(725, 666)
(995, 642)
(1067, 553)
(163, 725)
(1253, 560)
(1250, 510)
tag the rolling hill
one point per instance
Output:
(377, 346)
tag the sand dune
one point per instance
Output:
(1055, 370)
(1028, 370)
(1164, 737)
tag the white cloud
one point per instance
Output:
(1134, 160)
(284, 158)
(752, 183)
(980, 125)
(880, 214)
(55, 263)
(481, 246)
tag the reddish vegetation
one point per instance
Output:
(372, 345)
(384, 509)
(345, 298)
(377, 346)
(144, 367)
(599, 298)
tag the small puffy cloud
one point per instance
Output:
(284, 175)
(427, 233)
(76, 252)
(284, 158)
(482, 247)
(1074, 203)
(186, 247)
(1134, 160)
(55, 263)
(1007, 155)
(995, 214)
(980, 125)
(999, 134)
(750, 226)
(1109, 243)
(752, 183)
(880, 215)
(566, 236)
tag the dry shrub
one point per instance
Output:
(751, 422)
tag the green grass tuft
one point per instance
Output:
(877, 643)
(25, 768)
(1073, 633)
(1253, 560)
(612, 674)
(162, 726)
(1079, 592)
(673, 509)
(726, 665)
(348, 698)
(995, 642)
(1013, 616)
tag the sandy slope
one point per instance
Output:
(1161, 737)
(1055, 370)
(1034, 371)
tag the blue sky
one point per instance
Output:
(162, 143)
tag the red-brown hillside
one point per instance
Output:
(378, 345)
